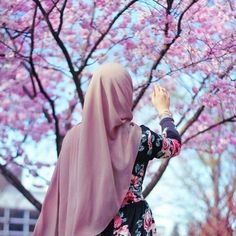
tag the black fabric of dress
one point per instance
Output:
(135, 217)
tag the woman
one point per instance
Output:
(96, 188)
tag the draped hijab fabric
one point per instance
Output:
(94, 169)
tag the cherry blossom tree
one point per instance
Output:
(49, 48)
(212, 187)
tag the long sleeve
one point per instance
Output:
(164, 145)
(171, 131)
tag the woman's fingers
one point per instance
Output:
(158, 90)
(154, 91)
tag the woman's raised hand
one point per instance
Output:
(160, 99)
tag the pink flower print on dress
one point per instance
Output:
(148, 223)
(165, 144)
(122, 231)
(131, 197)
(141, 173)
(135, 180)
(176, 147)
(171, 147)
(117, 221)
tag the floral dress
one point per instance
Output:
(135, 216)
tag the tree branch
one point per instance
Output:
(42, 90)
(11, 178)
(193, 98)
(61, 17)
(64, 51)
(163, 52)
(192, 120)
(104, 34)
(230, 119)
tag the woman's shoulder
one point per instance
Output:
(147, 131)
(144, 127)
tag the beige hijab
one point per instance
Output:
(94, 170)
